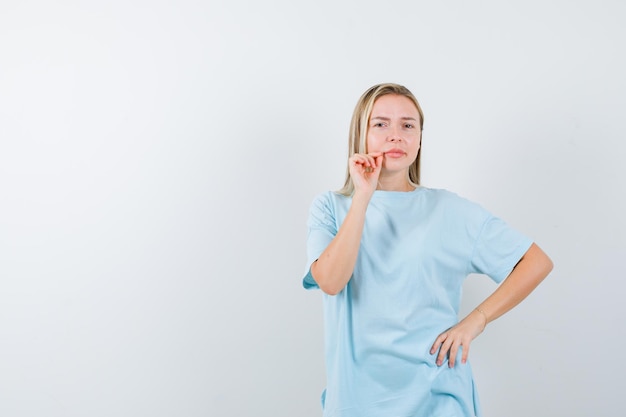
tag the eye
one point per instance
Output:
(379, 124)
(409, 125)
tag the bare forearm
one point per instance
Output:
(334, 267)
(527, 274)
(525, 277)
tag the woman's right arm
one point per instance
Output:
(334, 267)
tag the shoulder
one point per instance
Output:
(328, 199)
(444, 196)
(456, 204)
(326, 204)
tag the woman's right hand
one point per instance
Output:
(365, 171)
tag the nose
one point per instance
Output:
(394, 135)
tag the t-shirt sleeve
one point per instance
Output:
(322, 228)
(498, 248)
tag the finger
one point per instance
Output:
(437, 344)
(444, 352)
(368, 161)
(379, 160)
(371, 160)
(361, 160)
(454, 349)
(376, 155)
(358, 158)
(466, 348)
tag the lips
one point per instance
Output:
(394, 153)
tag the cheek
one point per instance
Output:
(418, 144)
(373, 143)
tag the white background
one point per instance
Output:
(158, 158)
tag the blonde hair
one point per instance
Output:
(357, 141)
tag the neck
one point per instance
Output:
(398, 182)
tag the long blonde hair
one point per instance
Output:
(357, 141)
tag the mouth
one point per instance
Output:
(394, 153)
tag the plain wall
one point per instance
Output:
(158, 158)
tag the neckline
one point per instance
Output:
(384, 193)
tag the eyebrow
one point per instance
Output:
(387, 118)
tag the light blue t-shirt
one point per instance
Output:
(416, 249)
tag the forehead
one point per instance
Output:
(394, 104)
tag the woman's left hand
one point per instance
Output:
(462, 334)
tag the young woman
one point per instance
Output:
(390, 257)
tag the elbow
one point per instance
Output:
(329, 289)
(328, 286)
(549, 265)
(542, 261)
(546, 262)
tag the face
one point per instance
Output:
(394, 130)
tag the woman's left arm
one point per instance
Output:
(534, 266)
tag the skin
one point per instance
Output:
(393, 141)
(393, 131)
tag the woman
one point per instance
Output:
(391, 257)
